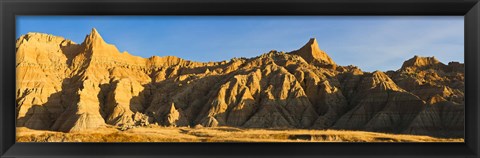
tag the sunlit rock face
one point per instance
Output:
(64, 86)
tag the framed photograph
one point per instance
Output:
(235, 78)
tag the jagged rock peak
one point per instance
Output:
(94, 38)
(418, 61)
(41, 38)
(381, 76)
(381, 80)
(313, 54)
(164, 58)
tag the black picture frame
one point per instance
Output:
(470, 9)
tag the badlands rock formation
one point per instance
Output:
(64, 86)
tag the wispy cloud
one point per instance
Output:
(386, 46)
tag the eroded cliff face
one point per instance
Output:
(64, 86)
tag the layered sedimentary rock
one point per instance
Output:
(442, 88)
(64, 86)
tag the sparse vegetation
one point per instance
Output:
(154, 133)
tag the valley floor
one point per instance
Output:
(219, 134)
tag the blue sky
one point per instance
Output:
(370, 42)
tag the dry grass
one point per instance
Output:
(219, 134)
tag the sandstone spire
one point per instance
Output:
(313, 54)
(95, 47)
(174, 117)
(94, 38)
